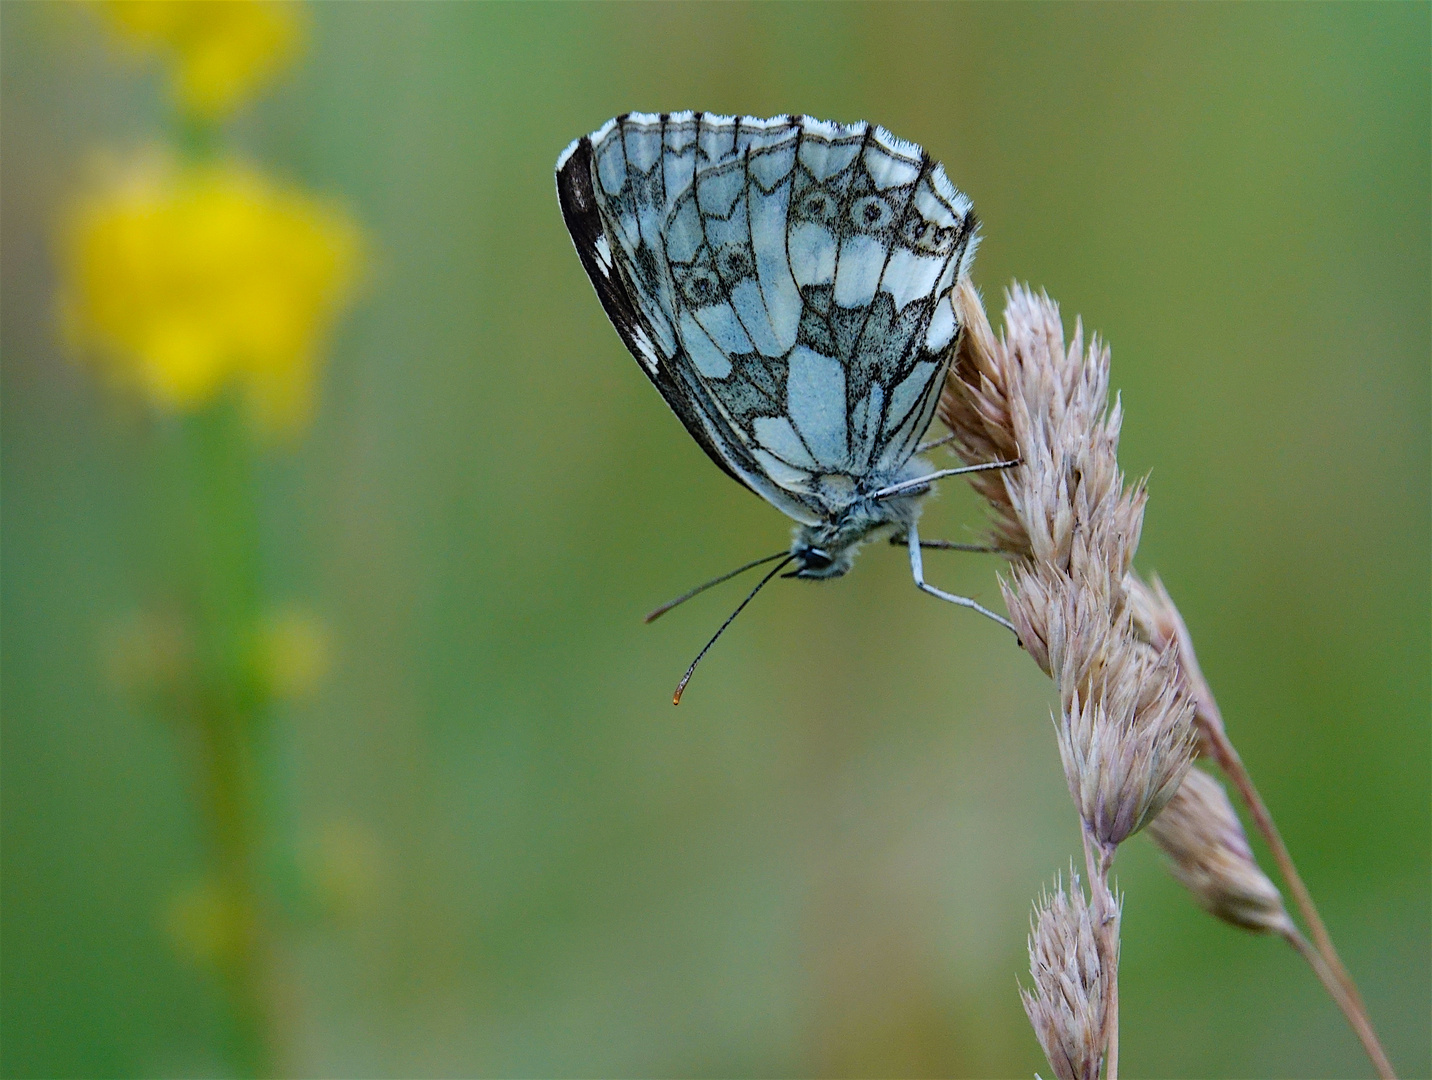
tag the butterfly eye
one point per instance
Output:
(870, 213)
(701, 287)
(817, 206)
(735, 262)
(813, 558)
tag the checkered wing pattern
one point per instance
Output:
(786, 283)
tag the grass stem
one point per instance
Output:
(1328, 966)
(1099, 862)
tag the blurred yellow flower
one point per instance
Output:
(188, 281)
(294, 652)
(206, 923)
(221, 51)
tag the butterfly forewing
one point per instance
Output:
(612, 279)
(785, 283)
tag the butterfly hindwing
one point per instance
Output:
(785, 283)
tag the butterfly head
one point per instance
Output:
(827, 550)
(814, 561)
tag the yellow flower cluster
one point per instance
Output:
(221, 50)
(191, 280)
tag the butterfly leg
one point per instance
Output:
(920, 482)
(928, 446)
(917, 570)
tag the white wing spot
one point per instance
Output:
(680, 132)
(750, 305)
(894, 144)
(708, 358)
(643, 147)
(717, 190)
(865, 426)
(781, 298)
(909, 276)
(857, 272)
(904, 395)
(812, 249)
(942, 326)
(771, 166)
(719, 320)
(815, 401)
(683, 233)
(933, 208)
(824, 159)
(786, 476)
(777, 435)
(968, 258)
(611, 166)
(643, 346)
(888, 171)
(717, 137)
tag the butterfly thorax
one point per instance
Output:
(828, 549)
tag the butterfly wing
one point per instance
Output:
(634, 326)
(790, 278)
(614, 221)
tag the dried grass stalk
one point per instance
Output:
(1158, 620)
(1134, 707)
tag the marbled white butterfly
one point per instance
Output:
(787, 285)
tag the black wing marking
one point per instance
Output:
(899, 435)
(584, 222)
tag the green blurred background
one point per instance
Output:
(822, 863)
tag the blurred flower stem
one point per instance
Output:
(220, 554)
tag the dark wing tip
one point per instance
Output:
(574, 181)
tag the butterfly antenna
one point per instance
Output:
(659, 612)
(681, 686)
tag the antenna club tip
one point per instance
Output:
(681, 687)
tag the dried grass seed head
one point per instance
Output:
(975, 407)
(1157, 620)
(1126, 722)
(1125, 752)
(1209, 855)
(1029, 395)
(1067, 1004)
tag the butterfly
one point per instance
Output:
(788, 285)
